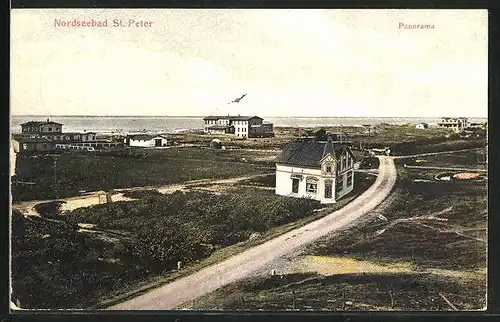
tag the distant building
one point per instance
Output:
(376, 151)
(240, 126)
(28, 144)
(320, 170)
(35, 127)
(476, 125)
(70, 137)
(338, 136)
(422, 126)
(457, 124)
(53, 132)
(146, 140)
(88, 146)
(314, 134)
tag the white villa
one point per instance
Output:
(319, 170)
(457, 124)
(240, 126)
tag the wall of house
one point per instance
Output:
(13, 155)
(284, 183)
(345, 187)
(50, 128)
(241, 128)
(16, 146)
(88, 137)
(216, 131)
(147, 143)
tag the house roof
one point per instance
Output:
(309, 153)
(38, 123)
(144, 137)
(232, 118)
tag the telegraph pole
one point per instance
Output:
(55, 176)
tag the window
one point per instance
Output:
(328, 188)
(50, 129)
(312, 185)
(350, 176)
(295, 185)
(340, 183)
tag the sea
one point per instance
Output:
(172, 124)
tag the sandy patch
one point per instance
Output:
(72, 204)
(325, 265)
(83, 225)
(90, 200)
(170, 189)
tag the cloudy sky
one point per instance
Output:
(290, 62)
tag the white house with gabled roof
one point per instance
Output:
(323, 171)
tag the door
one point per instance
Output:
(328, 189)
(157, 142)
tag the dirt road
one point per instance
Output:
(445, 168)
(433, 153)
(175, 294)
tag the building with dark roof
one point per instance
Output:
(240, 126)
(31, 144)
(32, 127)
(321, 170)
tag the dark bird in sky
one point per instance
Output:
(237, 100)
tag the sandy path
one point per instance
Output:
(173, 295)
(92, 198)
(434, 153)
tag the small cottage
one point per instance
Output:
(422, 126)
(31, 144)
(146, 140)
(321, 170)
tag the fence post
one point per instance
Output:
(392, 299)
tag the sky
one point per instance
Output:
(289, 62)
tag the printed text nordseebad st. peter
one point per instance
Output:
(92, 23)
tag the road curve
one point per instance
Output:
(173, 295)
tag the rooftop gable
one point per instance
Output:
(309, 153)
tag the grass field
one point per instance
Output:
(347, 292)
(432, 241)
(468, 159)
(125, 243)
(97, 253)
(65, 174)
(402, 139)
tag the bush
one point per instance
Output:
(49, 209)
(139, 194)
(175, 227)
